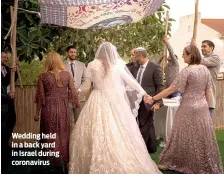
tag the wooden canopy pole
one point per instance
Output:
(165, 48)
(195, 20)
(13, 12)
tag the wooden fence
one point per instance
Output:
(25, 110)
(218, 117)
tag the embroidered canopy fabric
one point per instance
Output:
(96, 14)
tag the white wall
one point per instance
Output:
(183, 36)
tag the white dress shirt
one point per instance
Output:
(69, 62)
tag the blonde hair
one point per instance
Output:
(54, 64)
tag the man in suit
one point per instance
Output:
(8, 114)
(150, 77)
(77, 69)
(132, 60)
(132, 64)
(212, 62)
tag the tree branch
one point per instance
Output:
(12, 23)
(30, 12)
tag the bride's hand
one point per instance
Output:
(148, 100)
(146, 96)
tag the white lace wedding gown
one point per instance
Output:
(104, 139)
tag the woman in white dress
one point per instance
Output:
(106, 137)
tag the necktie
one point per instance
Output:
(4, 71)
(140, 74)
(72, 70)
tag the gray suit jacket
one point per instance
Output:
(212, 62)
(79, 69)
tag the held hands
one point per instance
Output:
(148, 99)
(146, 96)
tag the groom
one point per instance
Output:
(149, 75)
(77, 69)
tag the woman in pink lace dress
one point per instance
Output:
(52, 106)
(192, 147)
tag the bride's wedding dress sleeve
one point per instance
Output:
(86, 85)
(131, 81)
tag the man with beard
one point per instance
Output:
(132, 64)
(212, 62)
(77, 69)
(149, 75)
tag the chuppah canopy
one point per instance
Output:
(96, 14)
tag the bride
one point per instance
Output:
(106, 137)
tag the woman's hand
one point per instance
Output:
(36, 117)
(193, 42)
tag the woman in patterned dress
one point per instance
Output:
(192, 147)
(53, 87)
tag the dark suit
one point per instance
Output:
(131, 66)
(8, 116)
(152, 83)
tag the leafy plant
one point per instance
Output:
(147, 33)
(33, 39)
